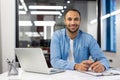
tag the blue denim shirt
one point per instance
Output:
(84, 46)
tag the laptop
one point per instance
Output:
(33, 60)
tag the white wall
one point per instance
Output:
(82, 7)
(7, 31)
(88, 13)
(0, 42)
(92, 14)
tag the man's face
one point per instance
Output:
(72, 21)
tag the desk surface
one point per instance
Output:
(67, 75)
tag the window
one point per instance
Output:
(109, 25)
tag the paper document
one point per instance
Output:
(109, 72)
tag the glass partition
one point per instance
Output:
(38, 19)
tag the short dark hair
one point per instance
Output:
(72, 10)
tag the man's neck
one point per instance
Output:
(72, 35)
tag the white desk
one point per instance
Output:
(67, 75)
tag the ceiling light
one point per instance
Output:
(59, 17)
(115, 12)
(62, 11)
(106, 16)
(32, 34)
(24, 5)
(25, 23)
(103, 17)
(93, 21)
(22, 12)
(20, 7)
(46, 12)
(44, 23)
(46, 7)
(68, 2)
(65, 7)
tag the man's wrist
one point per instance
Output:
(76, 67)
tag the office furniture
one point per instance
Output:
(67, 75)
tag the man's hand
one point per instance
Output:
(97, 67)
(83, 66)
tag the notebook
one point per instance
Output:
(33, 60)
(109, 72)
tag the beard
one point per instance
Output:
(73, 31)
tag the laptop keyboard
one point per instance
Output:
(53, 70)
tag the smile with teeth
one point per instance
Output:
(73, 26)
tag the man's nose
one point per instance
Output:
(73, 22)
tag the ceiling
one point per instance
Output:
(51, 2)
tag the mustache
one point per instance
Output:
(73, 25)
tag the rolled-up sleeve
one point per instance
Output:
(97, 53)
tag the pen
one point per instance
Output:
(89, 69)
(12, 67)
(96, 60)
(8, 61)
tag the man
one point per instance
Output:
(71, 48)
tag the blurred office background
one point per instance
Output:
(31, 23)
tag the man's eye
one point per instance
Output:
(76, 19)
(69, 19)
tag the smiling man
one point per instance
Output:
(71, 48)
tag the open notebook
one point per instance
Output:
(109, 72)
(33, 60)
